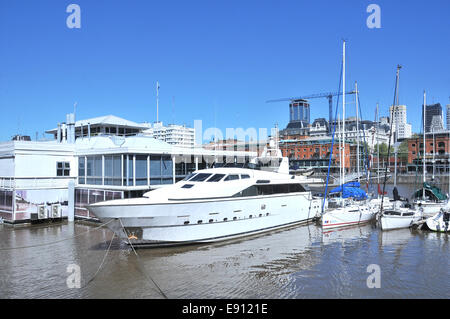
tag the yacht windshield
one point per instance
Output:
(189, 176)
(216, 178)
(200, 177)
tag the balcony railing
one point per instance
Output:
(34, 182)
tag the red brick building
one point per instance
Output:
(315, 152)
(439, 146)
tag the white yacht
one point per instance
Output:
(211, 205)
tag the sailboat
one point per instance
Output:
(429, 197)
(402, 214)
(350, 212)
(441, 220)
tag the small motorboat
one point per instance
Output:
(441, 221)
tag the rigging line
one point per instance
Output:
(332, 141)
(101, 264)
(56, 241)
(389, 147)
(140, 263)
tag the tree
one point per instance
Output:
(384, 149)
(402, 151)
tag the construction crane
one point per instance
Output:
(329, 96)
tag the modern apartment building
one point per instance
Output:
(400, 127)
(430, 112)
(173, 134)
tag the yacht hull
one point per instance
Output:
(208, 220)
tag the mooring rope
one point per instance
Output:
(141, 264)
(101, 264)
(56, 241)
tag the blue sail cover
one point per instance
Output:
(351, 190)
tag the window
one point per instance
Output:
(62, 169)
(94, 170)
(200, 177)
(81, 170)
(256, 190)
(265, 189)
(187, 186)
(113, 173)
(141, 170)
(231, 178)
(280, 189)
(161, 170)
(251, 191)
(189, 176)
(296, 188)
(216, 178)
(245, 176)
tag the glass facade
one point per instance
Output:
(129, 170)
(113, 170)
(81, 170)
(141, 170)
(85, 197)
(299, 111)
(94, 170)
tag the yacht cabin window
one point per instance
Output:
(189, 176)
(201, 177)
(216, 178)
(231, 177)
(244, 176)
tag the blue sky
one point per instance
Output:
(218, 61)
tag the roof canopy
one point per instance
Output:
(107, 120)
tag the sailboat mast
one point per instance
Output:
(434, 150)
(343, 113)
(357, 130)
(424, 144)
(378, 146)
(394, 114)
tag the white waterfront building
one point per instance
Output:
(365, 131)
(104, 158)
(173, 134)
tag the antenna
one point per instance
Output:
(74, 110)
(157, 101)
(173, 109)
